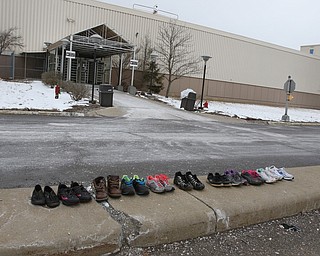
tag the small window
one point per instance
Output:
(311, 51)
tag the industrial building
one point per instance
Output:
(69, 36)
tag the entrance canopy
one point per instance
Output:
(100, 40)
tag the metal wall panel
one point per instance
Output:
(235, 58)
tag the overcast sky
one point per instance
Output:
(289, 23)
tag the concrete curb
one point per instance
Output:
(155, 219)
(99, 112)
(40, 113)
(35, 230)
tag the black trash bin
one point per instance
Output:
(106, 95)
(188, 102)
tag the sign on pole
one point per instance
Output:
(133, 63)
(70, 54)
(289, 85)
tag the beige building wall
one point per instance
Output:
(241, 68)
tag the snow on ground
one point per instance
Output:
(249, 111)
(33, 95)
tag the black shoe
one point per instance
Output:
(83, 195)
(67, 196)
(140, 186)
(219, 180)
(52, 200)
(195, 182)
(181, 181)
(37, 197)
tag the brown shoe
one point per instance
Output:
(100, 187)
(113, 186)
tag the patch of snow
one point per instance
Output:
(250, 111)
(34, 95)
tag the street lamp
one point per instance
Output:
(95, 39)
(205, 58)
(153, 56)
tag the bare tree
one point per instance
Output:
(145, 58)
(175, 54)
(9, 40)
(142, 55)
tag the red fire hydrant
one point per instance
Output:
(57, 91)
(206, 104)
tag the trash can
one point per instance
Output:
(106, 95)
(188, 102)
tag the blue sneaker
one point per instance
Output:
(126, 186)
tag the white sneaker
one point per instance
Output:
(284, 174)
(265, 176)
(273, 172)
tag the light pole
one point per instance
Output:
(205, 58)
(153, 56)
(95, 39)
(132, 89)
(70, 60)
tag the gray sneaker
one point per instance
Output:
(236, 179)
(155, 185)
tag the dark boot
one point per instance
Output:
(100, 187)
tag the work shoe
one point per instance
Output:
(265, 176)
(154, 185)
(234, 177)
(181, 181)
(218, 180)
(195, 182)
(252, 177)
(83, 195)
(52, 200)
(100, 186)
(284, 174)
(67, 196)
(126, 186)
(273, 172)
(37, 197)
(113, 186)
(140, 186)
(164, 180)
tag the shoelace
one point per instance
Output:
(181, 180)
(101, 186)
(156, 180)
(68, 192)
(192, 179)
(159, 184)
(254, 174)
(163, 179)
(114, 183)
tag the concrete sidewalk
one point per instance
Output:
(94, 229)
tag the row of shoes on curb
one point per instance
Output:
(129, 186)
(72, 195)
(256, 177)
(114, 188)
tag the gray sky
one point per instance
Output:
(289, 23)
